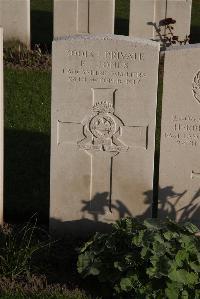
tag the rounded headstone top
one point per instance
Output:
(79, 37)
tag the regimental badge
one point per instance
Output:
(102, 130)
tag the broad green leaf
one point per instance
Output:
(184, 295)
(181, 256)
(93, 271)
(171, 293)
(126, 284)
(195, 266)
(144, 252)
(188, 242)
(184, 277)
(168, 235)
(137, 239)
(190, 227)
(84, 260)
(153, 223)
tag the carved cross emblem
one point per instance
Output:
(105, 135)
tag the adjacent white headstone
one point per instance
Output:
(146, 17)
(104, 94)
(15, 20)
(1, 126)
(83, 16)
(179, 195)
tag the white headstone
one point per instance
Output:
(146, 16)
(1, 126)
(83, 16)
(180, 136)
(104, 93)
(15, 20)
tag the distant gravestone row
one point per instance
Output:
(83, 16)
(15, 20)
(147, 18)
(160, 19)
(165, 21)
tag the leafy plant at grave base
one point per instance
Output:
(150, 259)
(18, 56)
(17, 247)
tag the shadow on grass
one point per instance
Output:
(121, 26)
(26, 177)
(195, 35)
(42, 29)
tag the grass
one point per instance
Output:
(195, 24)
(27, 144)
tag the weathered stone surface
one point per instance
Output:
(104, 92)
(83, 16)
(180, 136)
(15, 20)
(146, 16)
(1, 126)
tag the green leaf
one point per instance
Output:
(84, 261)
(188, 242)
(119, 266)
(181, 256)
(144, 252)
(184, 295)
(190, 227)
(93, 271)
(138, 239)
(126, 284)
(86, 245)
(195, 266)
(153, 223)
(171, 292)
(169, 235)
(184, 277)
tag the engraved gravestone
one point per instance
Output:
(180, 136)
(104, 92)
(15, 19)
(1, 126)
(83, 16)
(147, 18)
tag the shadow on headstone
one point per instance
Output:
(26, 176)
(168, 204)
(164, 32)
(100, 203)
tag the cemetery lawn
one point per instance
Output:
(27, 144)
